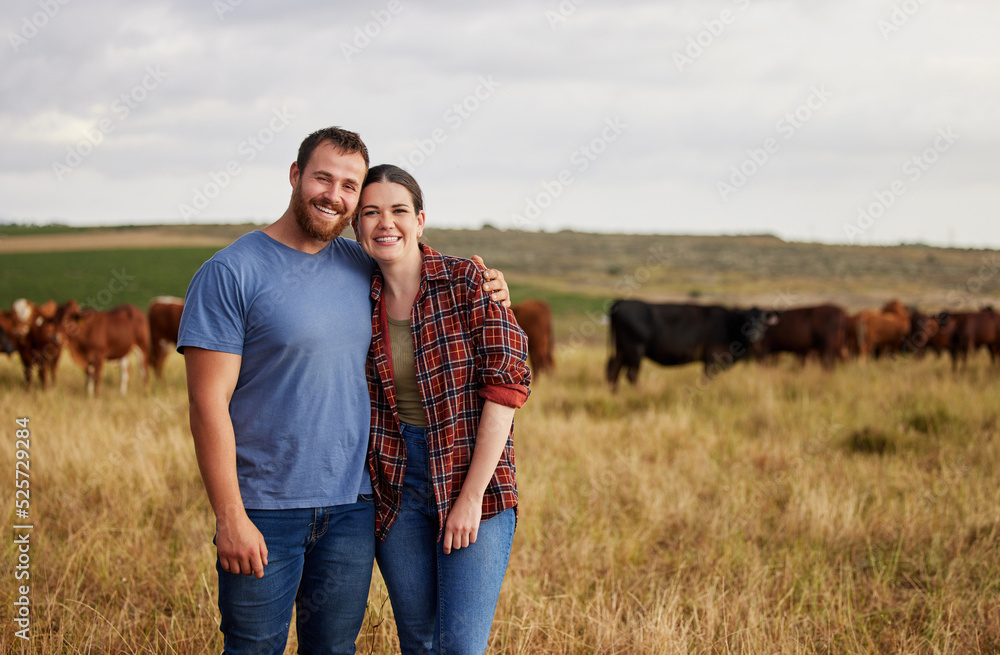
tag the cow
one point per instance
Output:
(882, 332)
(941, 341)
(851, 335)
(535, 318)
(164, 320)
(36, 339)
(972, 331)
(929, 331)
(802, 331)
(26, 311)
(7, 344)
(93, 337)
(672, 334)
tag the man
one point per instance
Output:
(275, 334)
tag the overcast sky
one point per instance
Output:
(850, 121)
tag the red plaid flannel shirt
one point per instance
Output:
(468, 349)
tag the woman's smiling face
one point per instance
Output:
(388, 228)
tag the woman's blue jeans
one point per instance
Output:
(320, 561)
(443, 604)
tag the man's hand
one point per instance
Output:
(241, 546)
(211, 379)
(494, 283)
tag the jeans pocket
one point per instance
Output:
(366, 498)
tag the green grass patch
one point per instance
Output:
(19, 230)
(100, 278)
(104, 278)
(563, 303)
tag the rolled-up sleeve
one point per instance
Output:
(501, 347)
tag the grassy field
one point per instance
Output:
(777, 509)
(773, 510)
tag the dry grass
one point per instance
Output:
(775, 510)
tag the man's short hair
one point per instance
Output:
(348, 142)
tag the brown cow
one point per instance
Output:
(535, 318)
(941, 342)
(164, 320)
(929, 331)
(972, 331)
(93, 337)
(806, 330)
(882, 332)
(35, 337)
(24, 310)
(851, 335)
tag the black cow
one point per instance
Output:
(679, 334)
(6, 344)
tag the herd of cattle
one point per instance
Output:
(40, 333)
(671, 334)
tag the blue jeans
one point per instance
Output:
(320, 561)
(443, 604)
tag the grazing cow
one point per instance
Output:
(928, 331)
(678, 334)
(93, 337)
(36, 339)
(972, 331)
(803, 331)
(41, 349)
(164, 320)
(882, 332)
(941, 342)
(851, 335)
(535, 318)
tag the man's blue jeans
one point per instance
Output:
(442, 603)
(320, 561)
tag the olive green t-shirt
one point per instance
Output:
(408, 403)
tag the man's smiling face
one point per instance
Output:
(325, 194)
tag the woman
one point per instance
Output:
(446, 371)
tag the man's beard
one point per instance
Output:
(314, 227)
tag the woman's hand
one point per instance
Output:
(462, 525)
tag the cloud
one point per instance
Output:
(488, 103)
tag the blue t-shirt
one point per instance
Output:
(302, 324)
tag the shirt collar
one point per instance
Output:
(433, 269)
